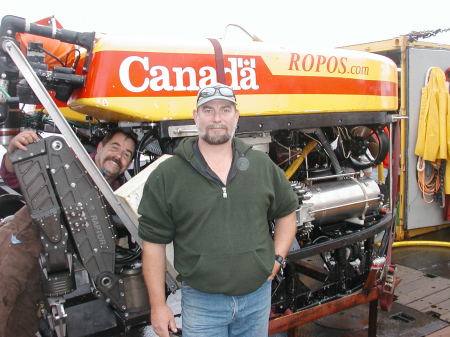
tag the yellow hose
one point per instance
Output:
(299, 160)
(421, 243)
(380, 171)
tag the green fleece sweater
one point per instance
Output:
(220, 232)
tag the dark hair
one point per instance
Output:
(127, 132)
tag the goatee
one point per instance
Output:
(216, 139)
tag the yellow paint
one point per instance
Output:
(153, 109)
(73, 115)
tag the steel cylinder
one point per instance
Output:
(9, 124)
(343, 199)
(135, 291)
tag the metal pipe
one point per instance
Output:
(350, 174)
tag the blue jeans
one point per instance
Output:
(217, 315)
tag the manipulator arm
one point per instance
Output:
(67, 206)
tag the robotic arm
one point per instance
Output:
(72, 216)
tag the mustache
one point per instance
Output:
(114, 160)
(216, 126)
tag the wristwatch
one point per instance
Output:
(281, 260)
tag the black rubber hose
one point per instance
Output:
(139, 150)
(13, 24)
(329, 151)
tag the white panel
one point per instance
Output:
(418, 213)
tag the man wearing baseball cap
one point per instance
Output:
(214, 200)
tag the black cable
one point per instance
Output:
(140, 148)
(52, 56)
(126, 256)
(77, 58)
(329, 151)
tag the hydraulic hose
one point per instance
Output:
(11, 25)
(421, 243)
(299, 160)
(329, 151)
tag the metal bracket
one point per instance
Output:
(389, 279)
(395, 118)
(182, 130)
(57, 318)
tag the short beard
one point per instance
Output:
(216, 140)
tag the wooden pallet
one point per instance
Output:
(426, 293)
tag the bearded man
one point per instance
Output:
(214, 199)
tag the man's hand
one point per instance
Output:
(285, 229)
(154, 270)
(275, 270)
(20, 141)
(162, 320)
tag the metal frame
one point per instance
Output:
(342, 241)
(290, 322)
(284, 122)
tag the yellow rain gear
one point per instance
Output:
(434, 122)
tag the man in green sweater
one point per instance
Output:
(214, 200)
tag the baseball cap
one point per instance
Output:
(215, 91)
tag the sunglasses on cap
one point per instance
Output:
(212, 91)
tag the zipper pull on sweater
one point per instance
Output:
(224, 192)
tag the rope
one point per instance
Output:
(428, 179)
(425, 34)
